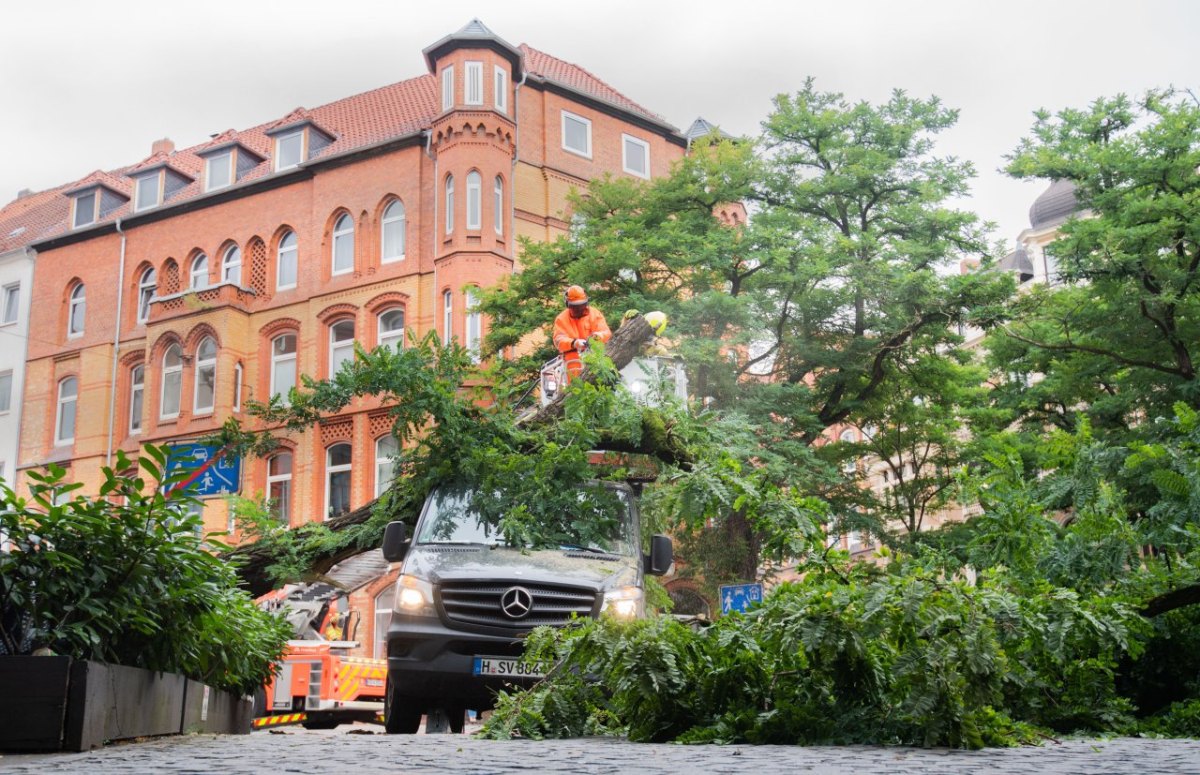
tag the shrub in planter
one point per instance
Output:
(127, 578)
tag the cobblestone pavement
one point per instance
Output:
(361, 750)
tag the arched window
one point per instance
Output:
(231, 266)
(383, 618)
(64, 417)
(283, 365)
(76, 310)
(287, 266)
(393, 232)
(391, 328)
(279, 486)
(341, 345)
(172, 382)
(206, 376)
(449, 204)
(474, 200)
(474, 325)
(447, 317)
(146, 288)
(198, 276)
(343, 244)
(498, 204)
(386, 450)
(137, 387)
(337, 480)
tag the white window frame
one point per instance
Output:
(474, 201)
(285, 514)
(337, 347)
(473, 83)
(12, 304)
(167, 371)
(331, 469)
(63, 400)
(231, 263)
(211, 163)
(587, 123)
(498, 204)
(393, 214)
(474, 324)
(94, 195)
(447, 316)
(279, 140)
(200, 258)
(277, 359)
(500, 88)
(449, 193)
(237, 386)
(448, 87)
(142, 181)
(382, 482)
(626, 140)
(204, 364)
(137, 394)
(147, 284)
(850, 437)
(385, 337)
(6, 391)
(294, 249)
(343, 229)
(78, 300)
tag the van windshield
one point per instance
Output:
(601, 520)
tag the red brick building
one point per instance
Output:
(169, 292)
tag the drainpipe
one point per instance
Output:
(436, 206)
(512, 178)
(112, 401)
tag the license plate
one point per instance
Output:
(507, 667)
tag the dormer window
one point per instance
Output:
(85, 209)
(218, 170)
(149, 192)
(289, 149)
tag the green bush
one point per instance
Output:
(127, 578)
(908, 657)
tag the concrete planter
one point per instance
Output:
(60, 704)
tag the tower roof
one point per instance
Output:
(475, 35)
(700, 127)
(1056, 204)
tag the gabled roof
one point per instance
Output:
(395, 112)
(549, 68)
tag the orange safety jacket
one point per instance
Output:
(567, 329)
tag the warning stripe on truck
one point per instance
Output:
(354, 672)
(278, 721)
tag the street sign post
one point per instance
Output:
(209, 473)
(739, 597)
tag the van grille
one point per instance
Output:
(479, 604)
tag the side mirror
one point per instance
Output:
(662, 554)
(395, 541)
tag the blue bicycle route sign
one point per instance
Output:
(739, 597)
(210, 473)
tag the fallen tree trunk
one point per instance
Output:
(255, 559)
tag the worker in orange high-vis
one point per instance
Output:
(575, 327)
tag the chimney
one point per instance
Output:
(164, 146)
(24, 193)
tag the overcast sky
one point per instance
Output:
(89, 85)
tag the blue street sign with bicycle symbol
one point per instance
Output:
(210, 473)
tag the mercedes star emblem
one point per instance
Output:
(516, 603)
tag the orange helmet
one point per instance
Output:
(576, 296)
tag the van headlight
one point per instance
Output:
(623, 602)
(414, 595)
